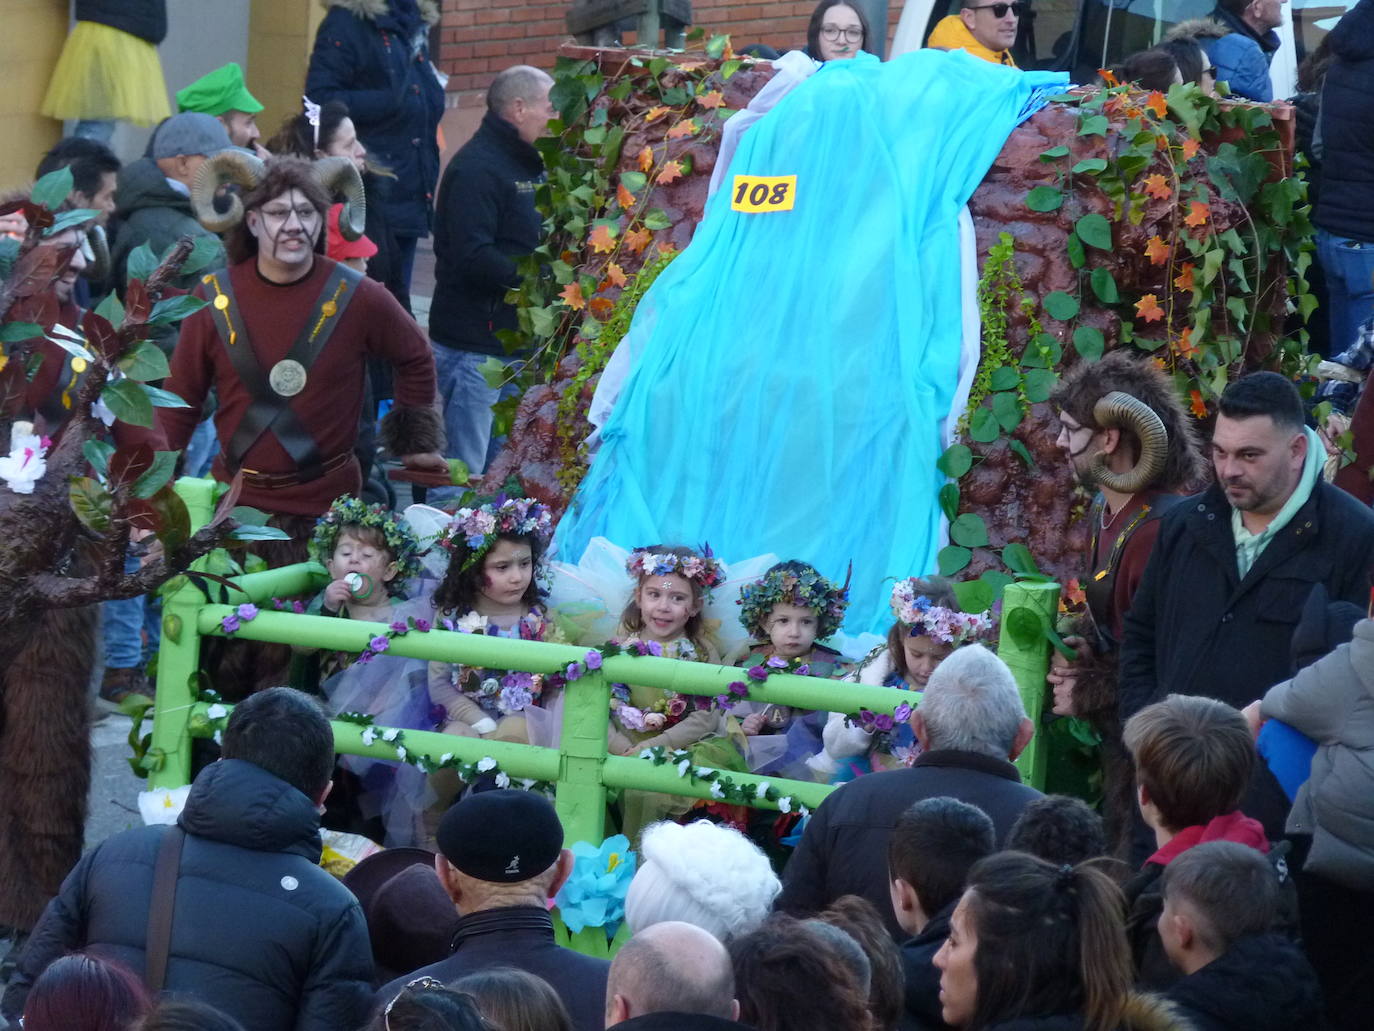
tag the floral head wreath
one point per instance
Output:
(478, 528)
(921, 616)
(804, 588)
(350, 511)
(703, 570)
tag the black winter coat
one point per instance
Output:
(486, 219)
(146, 19)
(1196, 628)
(1347, 128)
(1262, 983)
(520, 937)
(362, 58)
(678, 1022)
(259, 931)
(923, 1010)
(843, 850)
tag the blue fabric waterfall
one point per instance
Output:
(793, 371)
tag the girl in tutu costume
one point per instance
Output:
(491, 587)
(928, 627)
(664, 618)
(786, 612)
(370, 555)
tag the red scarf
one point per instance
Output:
(1234, 826)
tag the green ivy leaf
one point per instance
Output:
(145, 362)
(1004, 377)
(1020, 451)
(1045, 198)
(128, 402)
(111, 310)
(1061, 306)
(173, 309)
(259, 533)
(493, 371)
(952, 558)
(98, 453)
(1018, 558)
(1038, 383)
(1090, 166)
(956, 461)
(164, 464)
(969, 530)
(997, 580)
(52, 189)
(715, 46)
(1089, 343)
(633, 181)
(1078, 257)
(729, 68)
(1093, 125)
(1024, 626)
(160, 398)
(1104, 285)
(983, 427)
(1007, 408)
(1094, 230)
(171, 627)
(91, 503)
(1053, 153)
(655, 219)
(949, 501)
(974, 595)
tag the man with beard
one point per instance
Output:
(1128, 438)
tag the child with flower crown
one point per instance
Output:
(491, 587)
(928, 627)
(664, 617)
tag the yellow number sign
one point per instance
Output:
(760, 194)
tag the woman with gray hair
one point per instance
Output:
(704, 874)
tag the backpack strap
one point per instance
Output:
(158, 946)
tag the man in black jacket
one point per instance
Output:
(258, 929)
(502, 858)
(1233, 567)
(672, 977)
(970, 724)
(485, 220)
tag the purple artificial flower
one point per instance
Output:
(298, 607)
(422, 625)
(654, 648)
(573, 671)
(278, 604)
(399, 626)
(364, 658)
(513, 698)
(447, 624)
(725, 701)
(902, 713)
(229, 624)
(776, 662)
(883, 722)
(247, 611)
(757, 673)
(804, 670)
(593, 659)
(677, 707)
(740, 688)
(380, 643)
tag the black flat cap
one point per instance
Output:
(501, 836)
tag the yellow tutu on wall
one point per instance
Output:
(104, 73)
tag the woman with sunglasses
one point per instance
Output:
(985, 30)
(836, 31)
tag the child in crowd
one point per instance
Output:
(491, 587)
(928, 627)
(672, 584)
(1220, 903)
(785, 613)
(1059, 829)
(933, 846)
(1193, 760)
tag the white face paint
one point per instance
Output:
(287, 228)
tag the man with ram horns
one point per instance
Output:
(283, 342)
(1129, 439)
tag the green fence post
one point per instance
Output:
(581, 796)
(1025, 647)
(179, 658)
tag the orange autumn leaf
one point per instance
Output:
(728, 54)
(1157, 104)
(1075, 593)
(600, 307)
(1133, 112)
(638, 239)
(1148, 308)
(1198, 214)
(655, 113)
(1190, 148)
(1108, 77)
(1184, 346)
(602, 239)
(1160, 363)
(1157, 251)
(572, 296)
(1161, 142)
(682, 129)
(1184, 280)
(711, 101)
(1196, 404)
(646, 159)
(671, 172)
(615, 275)
(1158, 187)
(624, 197)
(665, 248)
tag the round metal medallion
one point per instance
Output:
(221, 301)
(287, 377)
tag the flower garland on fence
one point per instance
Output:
(723, 788)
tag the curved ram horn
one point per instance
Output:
(230, 166)
(1119, 410)
(339, 177)
(97, 255)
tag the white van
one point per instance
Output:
(1081, 36)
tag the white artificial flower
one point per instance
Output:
(761, 789)
(785, 804)
(445, 758)
(684, 767)
(217, 712)
(401, 752)
(647, 753)
(369, 735)
(717, 789)
(389, 734)
(471, 623)
(485, 763)
(162, 805)
(24, 466)
(502, 780)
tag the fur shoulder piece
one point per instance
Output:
(373, 9)
(1199, 28)
(409, 431)
(1153, 1013)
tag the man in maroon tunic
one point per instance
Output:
(284, 343)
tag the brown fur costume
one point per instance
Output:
(45, 761)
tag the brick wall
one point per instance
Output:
(478, 38)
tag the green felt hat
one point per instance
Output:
(217, 92)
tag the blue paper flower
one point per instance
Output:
(594, 895)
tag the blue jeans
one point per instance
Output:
(467, 401)
(1349, 268)
(126, 623)
(201, 449)
(99, 129)
(405, 250)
